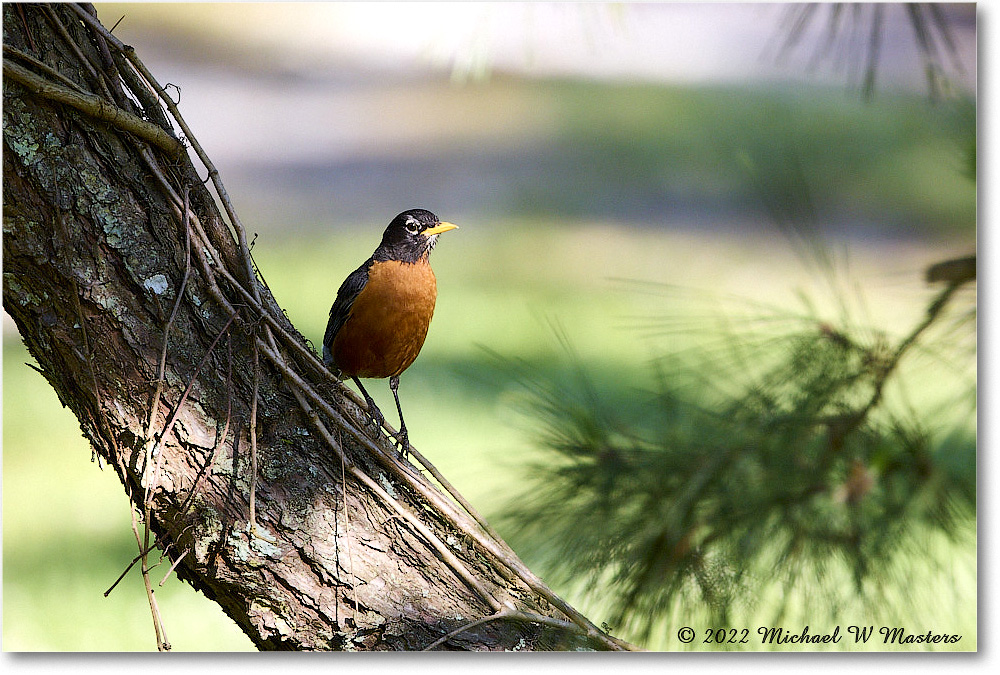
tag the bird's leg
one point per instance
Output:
(402, 437)
(373, 411)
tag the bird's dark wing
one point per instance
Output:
(341, 309)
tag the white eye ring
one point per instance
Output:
(412, 226)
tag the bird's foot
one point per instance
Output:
(375, 418)
(402, 443)
(377, 421)
(374, 415)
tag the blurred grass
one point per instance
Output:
(894, 164)
(642, 154)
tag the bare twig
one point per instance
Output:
(173, 314)
(253, 440)
(174, 566)
(27, 31)
(506, 615)
(220, 442)
(161, 638)
(439, 546)
(75, 48)
(130, 566)
(94, 106)
(150, 486)
(124, 572)
(42, 66)
(108, 69)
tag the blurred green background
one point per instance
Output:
(565, 187)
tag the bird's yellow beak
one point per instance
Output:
(439, 228)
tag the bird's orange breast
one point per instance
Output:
(388, 320)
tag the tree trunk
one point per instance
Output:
(247, 462)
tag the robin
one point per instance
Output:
(383, 309)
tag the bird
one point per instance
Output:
(383, 309)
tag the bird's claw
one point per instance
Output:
(402, 443)
(375, 418)
(377, 421)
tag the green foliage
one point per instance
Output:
(783, 463)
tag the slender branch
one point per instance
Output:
(161, 638)
(168, 427)
(453, 491)
(440, 547)
(130, 566)
(108, 68)
(213, 173)
(81, 57)
(173, 314)
(253, 441)
(124, 572)
(933, 311)
(42, 66)
(174, 566)
(94, 106)
(505, 615)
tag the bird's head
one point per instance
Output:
(411, 236)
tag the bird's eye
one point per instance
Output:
(412, 226)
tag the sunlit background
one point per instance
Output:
(585, 150)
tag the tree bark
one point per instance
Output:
(138, 299)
